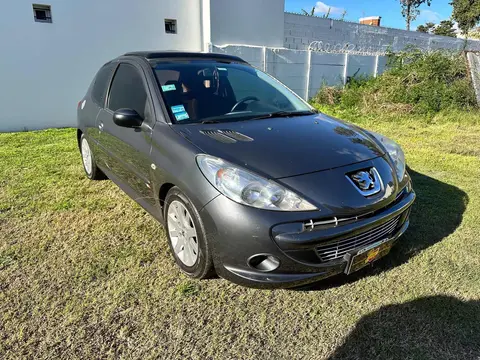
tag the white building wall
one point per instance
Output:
(250, 22)
(45, 69)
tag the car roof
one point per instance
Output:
(181, 55)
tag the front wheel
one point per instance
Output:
(186, 236)
(88, 160)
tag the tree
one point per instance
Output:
(474, 33)
(445, 28)
(410, 9)
(466, 13)
(427, 28)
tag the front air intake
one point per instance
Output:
(219, 136)
(337, 249)
(226, 136)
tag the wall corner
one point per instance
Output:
(206, 25)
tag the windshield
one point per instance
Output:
(210, 91)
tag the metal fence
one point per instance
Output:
(305, 71)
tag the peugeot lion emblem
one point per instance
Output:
(367, 182)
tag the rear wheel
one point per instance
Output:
(186, 236)
(88, 160)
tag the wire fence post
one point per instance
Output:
(309, 66)
(265, 59)
(345, 70)
(473, 63)
(375, 71)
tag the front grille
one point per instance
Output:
(337, 249)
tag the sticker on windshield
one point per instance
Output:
(178, 109)
(170, 87)
(182, 116)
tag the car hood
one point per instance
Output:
(284, 147)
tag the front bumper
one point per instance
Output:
(238, 232)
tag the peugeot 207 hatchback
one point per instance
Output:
(249, 180)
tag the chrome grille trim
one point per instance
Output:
(334, 221)
(337, 249)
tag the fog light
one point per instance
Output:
(263, 262)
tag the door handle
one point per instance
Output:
(100, 126)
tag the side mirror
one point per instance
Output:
(127, 118)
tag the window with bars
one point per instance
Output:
(170, 26)
(42, 13)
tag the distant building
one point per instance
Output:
(371, 20)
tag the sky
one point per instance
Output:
(389, 10)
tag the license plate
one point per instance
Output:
(367, 255)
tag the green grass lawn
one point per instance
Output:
(86, 273)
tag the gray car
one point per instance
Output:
(250, 181)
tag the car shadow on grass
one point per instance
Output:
(437, 327)
(436, 213)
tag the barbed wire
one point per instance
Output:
(346, 48)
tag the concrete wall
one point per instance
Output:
(474, 65)
(292, 68)
(45, 69)
(300, 31)
(250, 22)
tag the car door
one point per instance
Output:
(94, 102)
(126, 151)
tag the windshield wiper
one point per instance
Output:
(284, 114)
(266, 116)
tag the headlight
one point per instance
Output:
(249, 189)
(395, 152)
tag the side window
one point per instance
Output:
(127, 90)
(100, 84)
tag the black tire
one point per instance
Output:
(203, 267)
(95, 173)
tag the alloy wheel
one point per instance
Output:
(87, 156)
(183, 234)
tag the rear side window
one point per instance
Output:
(101, 83)
(127, 90)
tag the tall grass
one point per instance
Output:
(414, 83)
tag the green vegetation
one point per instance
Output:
(427, 28)
(415, 83)
(466, 13)
(445, 28)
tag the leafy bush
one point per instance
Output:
(414, 82)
